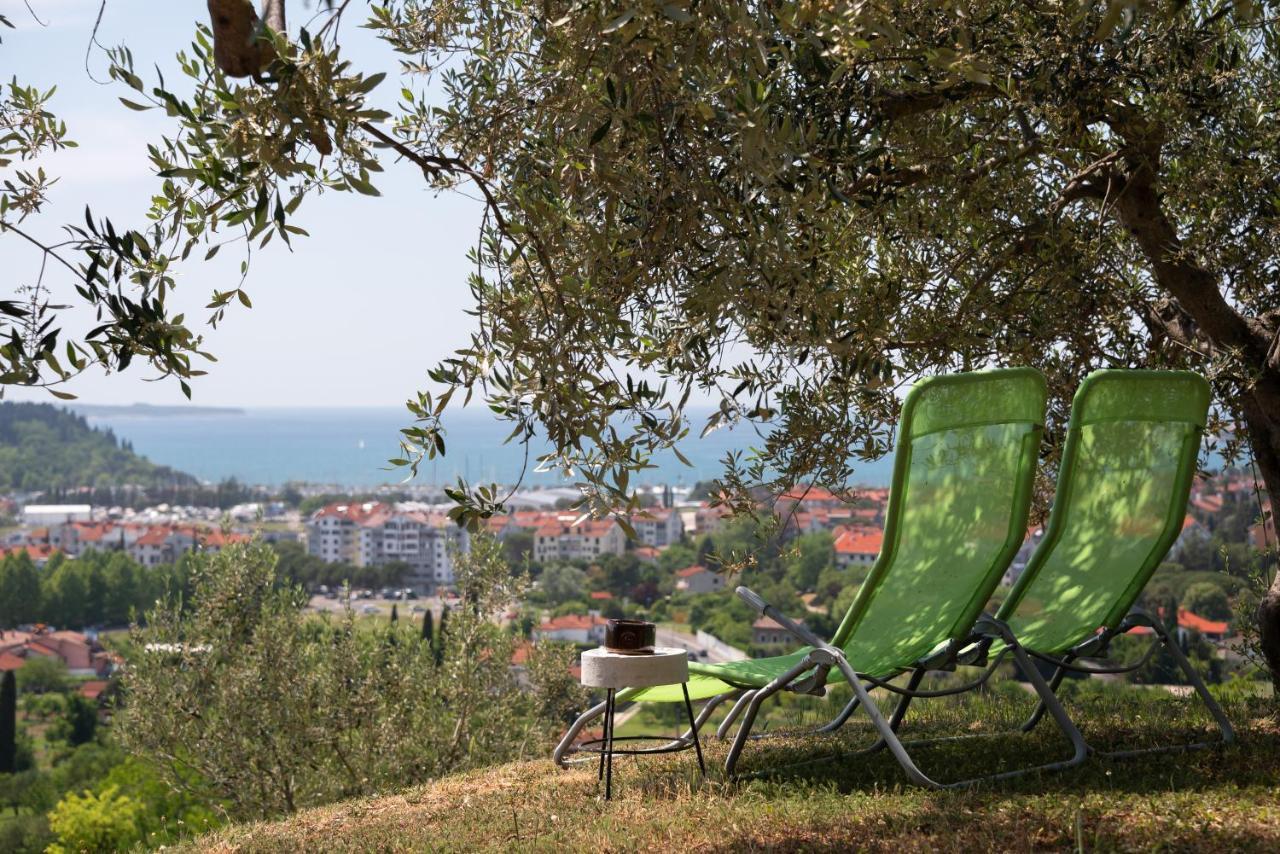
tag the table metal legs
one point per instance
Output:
(607, 741)
(606, 751)
(693, 728)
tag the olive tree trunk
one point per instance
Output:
(237, 47)
(1203, 316)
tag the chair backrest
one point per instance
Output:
(962, 479)
(1121, 499)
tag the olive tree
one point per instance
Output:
(240, 695)
(790, 208)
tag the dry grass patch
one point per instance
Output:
(1205, 801)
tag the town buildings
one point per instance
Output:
(82, 655)
(699, 579)
(374, 534)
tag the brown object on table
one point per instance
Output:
(630, 637)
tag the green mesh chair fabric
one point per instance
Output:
(1122, 494)
(958, 504)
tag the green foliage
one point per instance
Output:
(1207, 600)
(165, 814)
(296, 566)
(96, 588)
(25, 834)
(19, 590)
(79, 722)
(8, 723)
(801, 207)
(45, 447)
(808, 557)
(102, 821)
(561, 582)
(245, 700)
(41, 674)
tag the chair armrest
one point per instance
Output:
(753, 599)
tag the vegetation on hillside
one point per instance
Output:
(1216, 800)
(44, 447)
(239, 695)
(98, 588)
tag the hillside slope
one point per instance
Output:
(1220, 800)
(44, 447)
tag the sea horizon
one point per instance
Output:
(351, 445)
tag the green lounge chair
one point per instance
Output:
(958, 505)
(1121, 499)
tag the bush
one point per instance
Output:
(42, 675)
(272, 709)
(25, 834)
(102, 821)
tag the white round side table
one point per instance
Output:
(614, 671)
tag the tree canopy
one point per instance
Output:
(792, 208)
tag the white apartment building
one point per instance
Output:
(658, 526)
(586, 540)
(372, 534)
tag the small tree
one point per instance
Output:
(42, 674)
(428, 628)
(437, 649)
(8, 723)
(238, 694)
(1208, 600)
(105, 821)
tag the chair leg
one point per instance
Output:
(727, 723)
(1030, 723)
(753, 707)
(1081, 750)
(563, 749)
(1219, 716)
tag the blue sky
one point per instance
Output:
(353, 317)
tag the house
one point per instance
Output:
(332, 533)
(768, 632)
(152, 548)
(708, 518)
(82, 656)
(658, 526)
(568, 538)
(601, 596)
(572, 628)
(857, 546)
(374, 534)
(646, 554)
(699, 579)
(1214, 630)
(425, 541)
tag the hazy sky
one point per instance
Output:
(354, 316)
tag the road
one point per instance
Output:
(672, 638)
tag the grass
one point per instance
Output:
(1213, 800)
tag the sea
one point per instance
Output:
(351, 447)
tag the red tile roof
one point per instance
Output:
(9, 661)
(691, 571)
(601, 594)
(859, 541)
(571, 621)
(1188, 620)
(92, 688)
(154, 537)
